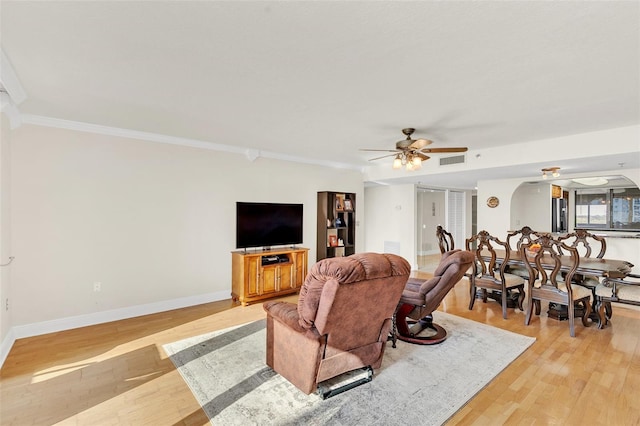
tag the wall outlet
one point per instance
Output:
(97, 286)
(6, 305)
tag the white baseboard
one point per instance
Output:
(45, 327)
(6, 346)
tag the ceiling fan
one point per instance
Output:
(412, 152)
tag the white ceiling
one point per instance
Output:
(323, 79)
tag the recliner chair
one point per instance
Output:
(341, 322)
(421, 298)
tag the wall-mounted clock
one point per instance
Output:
(493, 202)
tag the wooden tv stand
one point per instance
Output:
(261, 274)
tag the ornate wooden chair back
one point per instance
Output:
(515, 240)
(483, 245)
(586, 243)
(445, 240)
(553, 279)
(521, 236)
(489, 271)
(550, 273)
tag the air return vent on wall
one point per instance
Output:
(456, 159)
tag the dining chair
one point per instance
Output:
(445, 240)
(515, 239)
(489, 271)
(551, 272)
(620, 290)
(587, 244)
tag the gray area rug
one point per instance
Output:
(421, 385)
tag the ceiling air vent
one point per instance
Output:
(456, 159)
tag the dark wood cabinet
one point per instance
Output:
(336, 224)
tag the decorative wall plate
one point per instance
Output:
(493, 202)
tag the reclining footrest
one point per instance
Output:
(344, 382)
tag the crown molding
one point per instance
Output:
(9, 80)
(9, 109)
(249, 153)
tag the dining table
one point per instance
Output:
(611, 268)
(592, 266)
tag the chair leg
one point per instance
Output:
(472, 294)
(607, 309)
(521, 298)
(394, 330)
(570, 312)
(527, 319)
(504, 303)
(602, 318)
(538, 308)
(587, 312)
(402, 328)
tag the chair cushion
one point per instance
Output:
(625, 292)
(411, 293)
(590, 281)
(511, 280)
(520, 271)
(446, 260)
(578, 291)
(285, 312)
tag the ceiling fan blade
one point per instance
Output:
(384, 156)
(422, 156)
(436, 150)
(379, 150)
(420, 143)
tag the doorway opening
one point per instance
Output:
(437, 207)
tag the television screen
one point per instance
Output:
(268, 224)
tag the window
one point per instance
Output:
(612, 208)
(625, 208)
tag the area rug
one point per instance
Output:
(420, 385)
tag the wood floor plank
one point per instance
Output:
(118, 373)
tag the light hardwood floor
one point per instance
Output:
(118, 373)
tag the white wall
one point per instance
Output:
(151, 222)
(531, 206)
(391, 220)
(5, 236)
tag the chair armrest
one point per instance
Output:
(284, 312)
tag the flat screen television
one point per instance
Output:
(268, 224)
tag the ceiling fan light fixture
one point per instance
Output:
(397, 162)
(553, 171)
(411, 153)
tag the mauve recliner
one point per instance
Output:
(422, 297)
(342, 319)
